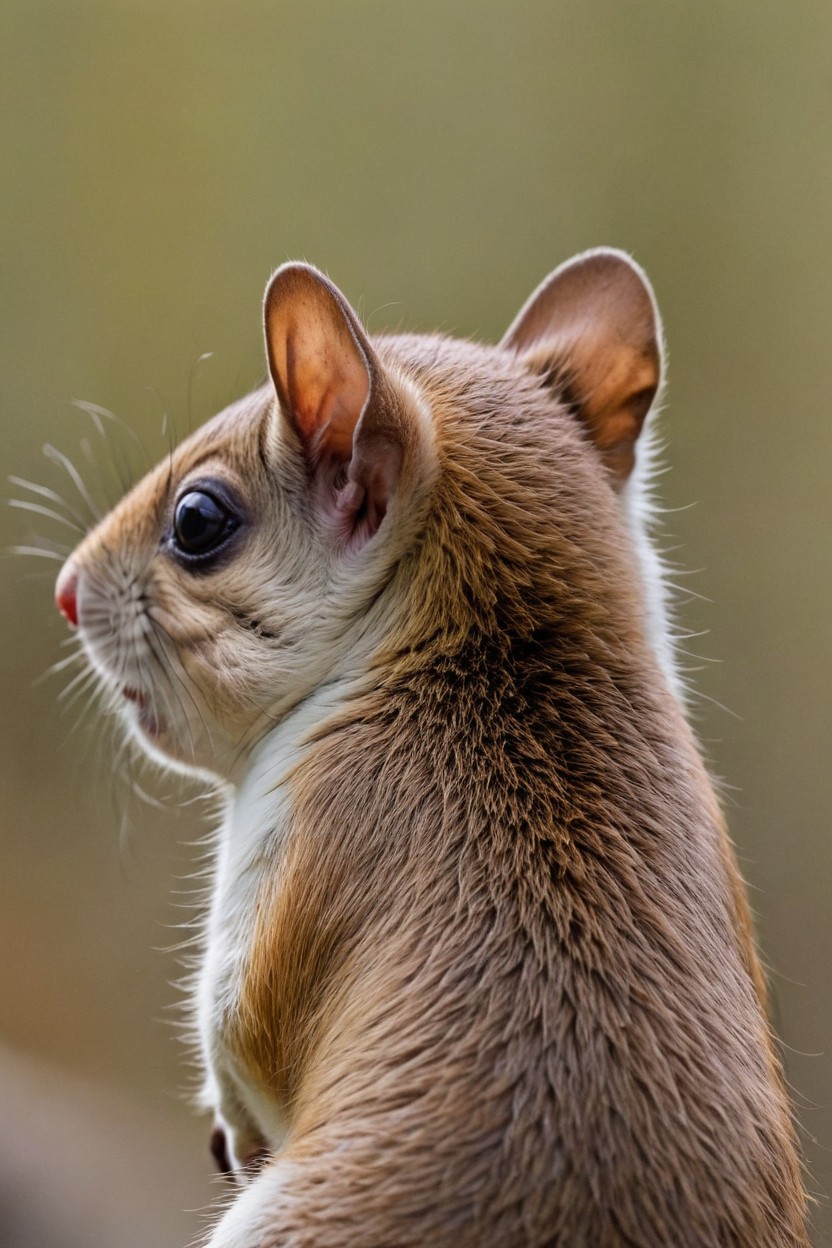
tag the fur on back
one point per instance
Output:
(501, 977)
(478, 968)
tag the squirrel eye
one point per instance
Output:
(200, 523)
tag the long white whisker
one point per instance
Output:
(37, 552)
(95, 412)
(85, 711)
(60, 666)
(83, 688)
(52, 495)
(24, 505)
(58, 457)
(88, 675)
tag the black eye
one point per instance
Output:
(200, 523)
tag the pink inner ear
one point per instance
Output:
(318, 360)
(336, 431)
(595, 318)
(332, 393)
(357, 508)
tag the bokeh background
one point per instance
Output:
(437, 158)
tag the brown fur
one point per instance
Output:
(500, 980)
(503, 980)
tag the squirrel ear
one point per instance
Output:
(592, 329)
(319, 359)
(332, 393)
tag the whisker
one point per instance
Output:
(89, 674)
(157, 691)
(123, 473)
(60, 666)
(96, 412)
(84, 713)
(24, 505)
(128, 760)
(45, 492)
(40, 575)
(58, 457)
(83, 688)
(177, 677)
(37, 552)
(202, 359)
(146, 797)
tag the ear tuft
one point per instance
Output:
(593, 328)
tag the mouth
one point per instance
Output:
(149, 722)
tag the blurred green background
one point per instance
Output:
(437, 159)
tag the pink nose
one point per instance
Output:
(66, 598)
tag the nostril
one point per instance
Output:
(66, 598)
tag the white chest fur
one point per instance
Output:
(255, 818)
(256, 824)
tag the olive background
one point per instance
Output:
(437, 158)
